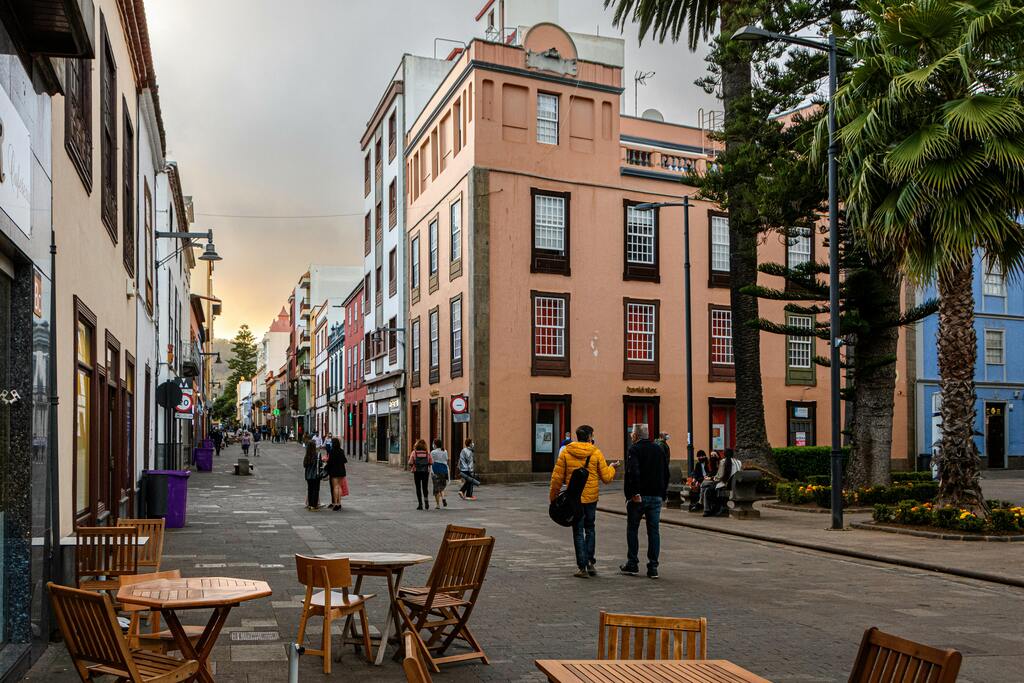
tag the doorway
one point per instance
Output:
(382, 438)
(639, 411)
(995, 434)
(722, 425)
(551, 420)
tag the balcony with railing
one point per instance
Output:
(681, 164)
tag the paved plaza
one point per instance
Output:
(786, 613)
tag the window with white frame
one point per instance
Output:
(640, 332)
(456, 231)
(416, 345)
(435, 353)
(547, 118)
(640, 235)
(549, 327)
(721, 337)
(549, 223)
(433, 247)
(798, 247)
(995, 282)
(995, 350)
(800, 348)
(455, 310)
(719, 244)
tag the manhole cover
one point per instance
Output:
(254, 635)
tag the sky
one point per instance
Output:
(264, 103)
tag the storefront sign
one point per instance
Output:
(37, 294)
(641, 390)
(434, 393)
(800, 439)
(15, 166)
(183, 411)
(718, 437)
(394, 405)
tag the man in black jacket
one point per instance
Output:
(646, 487)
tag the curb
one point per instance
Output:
(899, 562)
(815, 510)
(874, 526)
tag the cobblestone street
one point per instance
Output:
(784, 613)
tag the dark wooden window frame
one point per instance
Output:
(552, 367)
(112, 441)
(813, 436)
(78, 117)
(415, 422)
(635, 369)
(717, 278)
(548, 260)
(393, 203)
(392, 135)
(433, 263)
(378, 222)
(434, 370)
(456, 363)
(108, 134)
(128, 182)
(85, 514)
(148, 265)
(379, 282)
(801, 376)
(392, 272)
(415, 351)
(716, 371)
(455, 264)
(640, 271)
(392, 341)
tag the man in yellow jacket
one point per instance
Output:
(572, 457)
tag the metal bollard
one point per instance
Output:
(294, 652)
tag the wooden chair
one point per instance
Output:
(97, 648)
(105, 554)
(451, 533)
(885, 658)
(150, 554)
(415, 672)
(444, 611)
(155, 640)
(333, 602)
(630, 636)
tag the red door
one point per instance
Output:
(640, 411)
(723, 427)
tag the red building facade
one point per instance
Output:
(354, 430)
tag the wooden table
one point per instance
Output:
(391, 566)
(216, 593)
(649, 671)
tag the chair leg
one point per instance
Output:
(327, 642)
(302, 625)
(364, 622)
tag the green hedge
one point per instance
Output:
(798, 463)
(923, 514)
(797, 493)
(912, 476)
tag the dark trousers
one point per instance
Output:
(420, 479)
(584, 536)
(648, 508)
(468, 482)
(313, 492)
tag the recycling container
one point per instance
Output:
(203, 458)
(167, 495)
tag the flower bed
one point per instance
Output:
(912, 513)
(798, 493)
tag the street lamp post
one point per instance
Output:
(688, 318)
(753, 33)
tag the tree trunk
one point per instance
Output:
(740, 181)
(874, 386)
(959, 483)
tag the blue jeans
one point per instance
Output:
(648, 508)
(584, 536)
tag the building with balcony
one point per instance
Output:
(323, 317)
(354, 384)
(336, 377)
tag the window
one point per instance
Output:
(393, 272)
(128, 182)
(414, 362)
(722, 364)
(801, 419)
(457, 126)
(550, 232)
(366, 234)
(641, 340)
(432, 264)
(378, 223)
(148, 258)
(86, 451)
(456, 336)
(108, 137)
(547, 118)
(392, 135)
(550, 349)
(379, 280)
(366, 175)
(435, 352)
(641, 243)
(78, 117)
(393, 203)
(994, 347)
(799, 245)
(393, 341)
(366, 290)
(800, 351)
(414, 263)
(456, 231)
(378, 158)
(995, 282)
(719, 245)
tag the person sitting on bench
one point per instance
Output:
(714, 503)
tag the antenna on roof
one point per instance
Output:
(639, 78)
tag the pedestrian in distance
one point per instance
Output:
(662, 442)
(420, 464)
(246, 440)
(645, 488)
(708, 482)
(311, 466)
(583, 452)
(218, 440)
(336, 462)
(467, 469)
(439, 473)
(566, 440)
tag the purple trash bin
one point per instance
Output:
(203, 458)
(177, 497)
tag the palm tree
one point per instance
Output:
(737, 182)
(932, 134)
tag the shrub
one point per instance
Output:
(911, 476)
(884, 513)
(995, 504)
(968, 521)
(820, 479)
(1004, 519)
(945, 517)
(794, 493)
(822, 496)
(798, 463)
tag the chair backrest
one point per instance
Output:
(453, 533)
(106, 551)
(317, 572)
(885, 658)
(461, 566)
(631, 636)
(151, 553)
(90, 629)
(415, 672)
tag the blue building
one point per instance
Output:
(999, 377)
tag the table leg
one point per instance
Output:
(394, 581)
(204, 646)
(349, 627)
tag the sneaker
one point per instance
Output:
(462, 495)
(591, 569)
(581, 574)
(470, 497)
(630, 570)
(652, 573)
(445, 501)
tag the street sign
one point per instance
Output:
(277, 411)
(183, 411)
(460, 408)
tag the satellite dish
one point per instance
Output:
(168, 394)
(653, 115)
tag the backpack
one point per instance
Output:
(420, 461)
(566, 509)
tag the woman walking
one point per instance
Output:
(336, 469)
(420, 464)
(439, 458)
(466, 470)
(311, 466)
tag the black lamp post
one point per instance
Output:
(752, 33)
(689, 339)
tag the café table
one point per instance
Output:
(169, 596)
(390, 566)
(649, 671)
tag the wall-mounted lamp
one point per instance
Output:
(209, 252)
